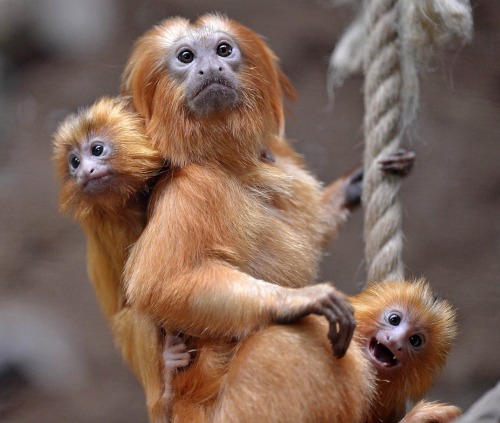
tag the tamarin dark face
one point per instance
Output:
(103, 157)
(208, 90)
(207, 66)
(406, 332)
(89, 164)
(395, 340)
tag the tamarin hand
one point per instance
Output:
(399, 163)
(323, 299)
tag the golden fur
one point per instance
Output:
(112, 221)
(230, 214)
(160, 100)
(241, 229)
(230, 237)
(433, 317)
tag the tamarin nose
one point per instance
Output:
(208, 66)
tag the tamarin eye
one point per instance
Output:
(416, 341)
(186, 56)
(394, 319)
(224, 50)
(74, 162)
(97, 150)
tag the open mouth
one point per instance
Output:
(382, 355)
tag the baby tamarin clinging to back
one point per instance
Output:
(284, 373)
(406, 332)
(106, 165)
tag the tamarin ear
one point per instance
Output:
(126, 102)
(137, 79)
(288, 89)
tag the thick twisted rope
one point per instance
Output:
(388, 39)
(383, 131)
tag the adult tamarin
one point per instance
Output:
(229, 235)
(233, 243)
(221, 252)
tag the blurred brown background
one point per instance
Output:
(57, 360)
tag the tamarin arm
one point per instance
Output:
(344, 194)
(173, 272)
(216, 300)
(180, 271)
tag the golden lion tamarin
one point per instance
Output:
(106, 166)
(233, 242)
(406, 332)
(220, 253)
(286, 373)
